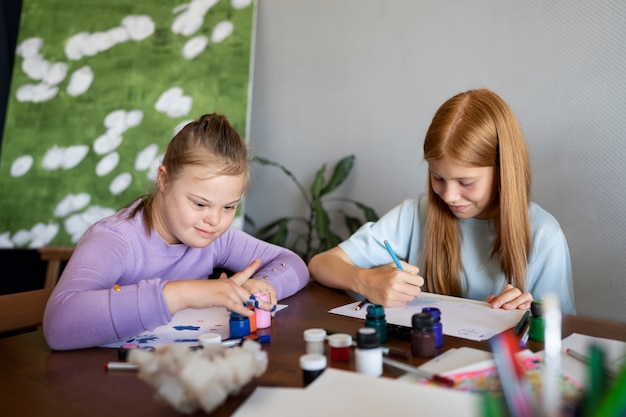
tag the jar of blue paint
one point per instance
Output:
(239, 325)
(437, 326)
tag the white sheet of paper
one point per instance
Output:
(460, 317)
(185, 327)
(345, 393)
(614, 354)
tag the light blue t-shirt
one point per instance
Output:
(404, 227)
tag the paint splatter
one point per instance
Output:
(146, 339)
(187, 327)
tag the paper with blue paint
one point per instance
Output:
(185, 327)
(460, 317)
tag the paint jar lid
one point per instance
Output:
(340, 340)
(210, 339)
(312, 362)
(422, 321)
(433, 311)
(536, 308)
(367, 338)
(375, 311)
(314, 335)
(237, 316)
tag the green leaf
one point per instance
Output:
(340, 173)
(330, 241)
(368, 212)
(279, 237)
(322, 220)
(353, 223)
(317, 183)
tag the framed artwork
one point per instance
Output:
(97, 91)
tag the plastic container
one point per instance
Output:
(368, 354)
(375, 318)
(312, 365)
(437, 326)
(263, 318)
(537, 324)
(314, 339)
(252, 318)
(340, 346)
(239, 326)
(422, 336)
(209, 339)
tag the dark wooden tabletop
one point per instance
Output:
(36, 381)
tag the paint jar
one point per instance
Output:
(252, 318)
(536, 331)
(263, 317)
(368, 354)
(122, 351)
(375, 318)
(422, 336)
(437, 326)
(239, 325)
(315, 339)
(340, 346)
(207, 339)
(312, 365)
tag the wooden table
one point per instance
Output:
(35, 381)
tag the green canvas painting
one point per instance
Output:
(97, 91)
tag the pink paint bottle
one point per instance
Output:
(263, 318)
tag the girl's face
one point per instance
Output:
(468, 191)
(197, 207)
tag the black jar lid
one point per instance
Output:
(367, 338)
(423, 321)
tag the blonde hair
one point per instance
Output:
(477, 128)
(211, 141)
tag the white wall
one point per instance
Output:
(335, 77)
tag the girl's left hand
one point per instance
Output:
(259, 286)
(511, 298)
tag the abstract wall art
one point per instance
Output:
(97, 90)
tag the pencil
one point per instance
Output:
(520, 324)
(393, 255)
(524, 334)
(361, 304)
(586, 360)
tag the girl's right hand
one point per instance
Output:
(225, 292)
(389, 286)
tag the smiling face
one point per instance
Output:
(196, 207)
(468, 191)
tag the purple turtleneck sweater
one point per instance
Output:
(86, 310)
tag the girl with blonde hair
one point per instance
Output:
(131, 271)
(474, 234)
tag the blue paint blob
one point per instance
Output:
(146, 339)
(187, 327)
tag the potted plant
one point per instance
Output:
(312, 233)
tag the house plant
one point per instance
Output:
(316, 231)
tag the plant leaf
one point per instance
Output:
(353, 223)
(340, 173)
(322, 220)
(277, 237)
(331, 240)
(317, 184)
(368, 212)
